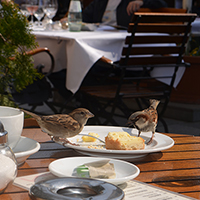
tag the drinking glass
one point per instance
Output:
(40, 12)
(50, 9)
(32, 6)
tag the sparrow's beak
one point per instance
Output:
(89, 115)
(131, 123)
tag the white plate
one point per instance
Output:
(24, 148)
(160, 142)
(124, 171)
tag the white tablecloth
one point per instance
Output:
(78, 51)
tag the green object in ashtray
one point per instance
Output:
(83, 171)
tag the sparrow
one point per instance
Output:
(145, 120)
(63, 126)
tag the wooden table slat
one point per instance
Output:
(14, 196)
(168, 166)
(144, 166)
(195, 195)
(170, 175)
(187, 192)
(185, 147)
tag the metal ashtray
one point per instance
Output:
(75, 189)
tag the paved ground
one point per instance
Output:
(178, 126)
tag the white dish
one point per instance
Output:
(124, 171)
(24, 148)
(160, 142)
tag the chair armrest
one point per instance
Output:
(46, 50)
(43, 49)
(38, 50)
(106, 60)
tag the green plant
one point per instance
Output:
(193, 47)
(195, 52)
(16, 67)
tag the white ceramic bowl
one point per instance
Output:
(24, 148)
(13, 121)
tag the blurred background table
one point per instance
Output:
(176, 169)
(78, 51)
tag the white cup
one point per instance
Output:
(13, 121)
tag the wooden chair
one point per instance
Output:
(156, 40)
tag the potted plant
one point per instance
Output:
(16, 67)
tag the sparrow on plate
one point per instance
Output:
(63, 126)
(145, 120)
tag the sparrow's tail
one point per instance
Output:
(37, 117)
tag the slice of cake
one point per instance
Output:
(123, 141)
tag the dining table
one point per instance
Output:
(78, 51)
(176, 169)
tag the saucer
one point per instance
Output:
(24, 148)
(125, 171)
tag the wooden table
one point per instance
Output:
(176, 169)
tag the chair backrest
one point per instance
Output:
(163, 10)
(163, 35)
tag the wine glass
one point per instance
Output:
(40, 12)
(32, 6)
(50, 9)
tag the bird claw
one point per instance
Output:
(147, 142)
(63, 141)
